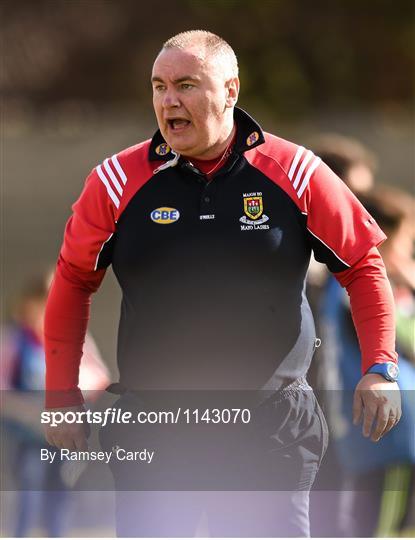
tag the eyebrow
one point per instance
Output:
(179, 80)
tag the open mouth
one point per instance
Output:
(177, 124)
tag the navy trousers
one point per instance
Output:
(247, 480)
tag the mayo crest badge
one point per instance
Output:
(253, 207)
(254, 218)
(252, 139)
(162, 149)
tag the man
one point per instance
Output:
(209, 229)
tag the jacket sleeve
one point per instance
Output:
(345, 237)
(341, 231)
(80, 269)
(372, 308)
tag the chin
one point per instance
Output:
(181, 148)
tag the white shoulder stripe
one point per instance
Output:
(307, 177)
(294, 164)
(301, 170)
(303, 166)
(112, 176)
(119, 169)
(110, 191)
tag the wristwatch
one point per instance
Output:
(388, 370)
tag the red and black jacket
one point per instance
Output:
(212, 273)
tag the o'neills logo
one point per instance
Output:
(254, 217)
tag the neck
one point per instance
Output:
(210, 166)
(219, 148)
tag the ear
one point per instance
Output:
(232, 92)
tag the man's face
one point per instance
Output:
(191, 98)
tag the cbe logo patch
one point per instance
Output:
(165, 215)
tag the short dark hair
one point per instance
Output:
(390, 206)
(341, 153)
(213, 44)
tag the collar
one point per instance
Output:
(248, 135)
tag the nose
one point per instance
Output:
(171, 99)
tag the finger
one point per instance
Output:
(393, 420)
(65, 441)
(57, 443)
(69, 443)
(383, 416)
(398, 412)
(357, 408)
(87, 429)
(81, 442)
(51, 438)
(369, 414)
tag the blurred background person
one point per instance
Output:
(377, 482)
(356, 165)
(41, 491)
(351, 160)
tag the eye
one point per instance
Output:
(186, 86)
(159, 88)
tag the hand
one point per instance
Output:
(71, 436)
(375, 397)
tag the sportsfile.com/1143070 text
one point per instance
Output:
(180, 415)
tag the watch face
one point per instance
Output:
(392, 370)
